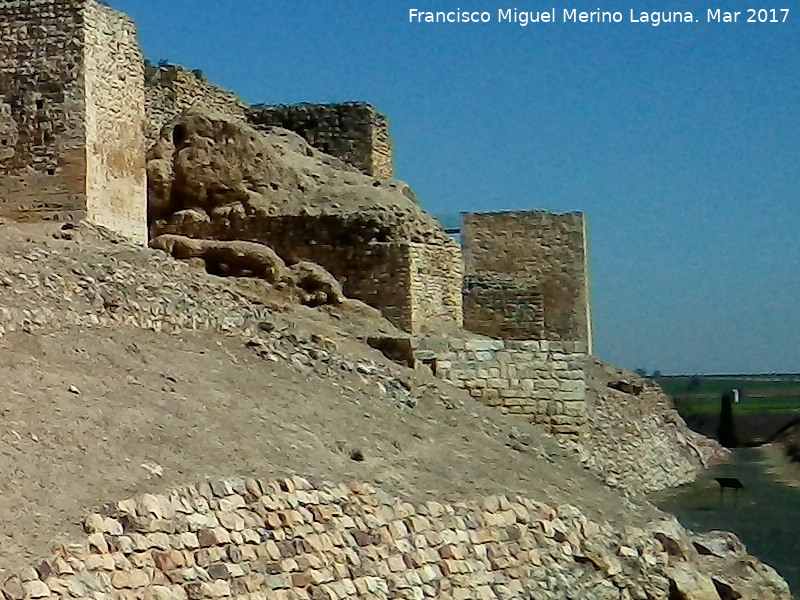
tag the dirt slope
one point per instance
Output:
(95, 413)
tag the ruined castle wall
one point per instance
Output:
(116, 194)
(542, 382)
(524, 256)
(42, 132)
(353, 132)
(416, 286)
(436, 273)
(376, 273)
(171, 90)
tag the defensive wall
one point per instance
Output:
(354, 132)
(71, 115)
(415, 285)
(540, 381)
(526, 276)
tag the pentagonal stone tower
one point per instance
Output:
(72, 141)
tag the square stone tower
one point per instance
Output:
(527, 276)
(72, 141)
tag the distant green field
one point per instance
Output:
(761, 393)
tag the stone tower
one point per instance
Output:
(72, 139)
(527, 276)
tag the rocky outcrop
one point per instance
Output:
(312, 284)
(317, 285)
(211, 176)
(235, 259)
(636, 441)
(289, 538)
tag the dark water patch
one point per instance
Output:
(765, 514)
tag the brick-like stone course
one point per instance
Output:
(517, 255)
(543, 382)
(354, 132)
(288, 539)
(71, 139)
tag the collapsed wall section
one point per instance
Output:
(542, 382)
(354, 132)
(527, 276)
(116, 194)
(42, 126)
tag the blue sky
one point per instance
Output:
(680, 142)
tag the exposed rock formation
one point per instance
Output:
(213, 177)
(233, 259)
(313, 284)
(318, 285)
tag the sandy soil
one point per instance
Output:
(89, 415)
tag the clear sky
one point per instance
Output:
(680, 142)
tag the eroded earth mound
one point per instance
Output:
(214, 177)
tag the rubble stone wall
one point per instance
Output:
(289, 539)
(171, 89)
(116, 195)
(543, 382)
(42, 126)
(539, 252)
(354, 132)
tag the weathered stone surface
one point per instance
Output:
(354, 132)
(315, 284)
(527, 276)
(497, 548)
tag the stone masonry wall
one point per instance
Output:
(537, 251)
(416, 286)
(115, 143)
(71, 140)
(542, 382)
(435, 286)
(42, 129)
(171, 89)
(291, 540)
(354, 132)
(498, 306)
